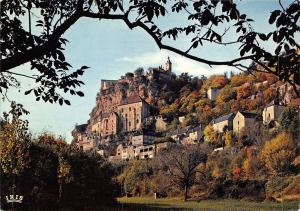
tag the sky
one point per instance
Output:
(111, 49)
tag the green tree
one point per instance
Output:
(289, 121)
(135, 177)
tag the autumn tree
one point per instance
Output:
(15, 141)
(41, 43)
(215, 81)
(226, 94)
(228, 138)
(279, 153)
(244, 91)
(181, 170)
(64, 175)
(210, 134)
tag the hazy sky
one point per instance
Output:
(111, 50)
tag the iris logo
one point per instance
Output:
(14, 199)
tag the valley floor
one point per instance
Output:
(147, 203)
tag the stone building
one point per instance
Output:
(144, 152)
(109, 124)
(107, 84)
(212, 93)
(123, 152)
(193, 136)
(160, 123)
(78, 134)
(245, 121)
(87, 143)
(143, 138)
(132, 112)
(272, 112)
(129, 116)
(223, 122)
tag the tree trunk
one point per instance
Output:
(60, 192)
(185, 193)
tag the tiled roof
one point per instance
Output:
(223, 118)
(131, 99)
(248, 114)
(274, 102)
(180, 131)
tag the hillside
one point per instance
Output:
(164, 102)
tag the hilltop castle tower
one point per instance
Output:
(168, 67)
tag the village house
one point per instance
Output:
(88, 143)
(212, 93)
(144, 152)
(272, 112)
(108, 124)
(193, 136)
(78, 134)
(245, 121)
(223, 122)
(160, 123)
(181, 119)
(179, 134)
(123, 152)
(142, 138)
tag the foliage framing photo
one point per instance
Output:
(33, 31)
(46, 171)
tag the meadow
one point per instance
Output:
(149, 203)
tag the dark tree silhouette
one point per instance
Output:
(205, 20)
(179, 164)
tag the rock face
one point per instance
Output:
(123, 105)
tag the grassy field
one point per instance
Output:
(135, 203)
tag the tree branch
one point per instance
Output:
(160, 44)
(38, 51)
(51, 43)
(19, 74)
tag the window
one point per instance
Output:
(129, 123)
(129, 108)
(137, 121)
(238, 122)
